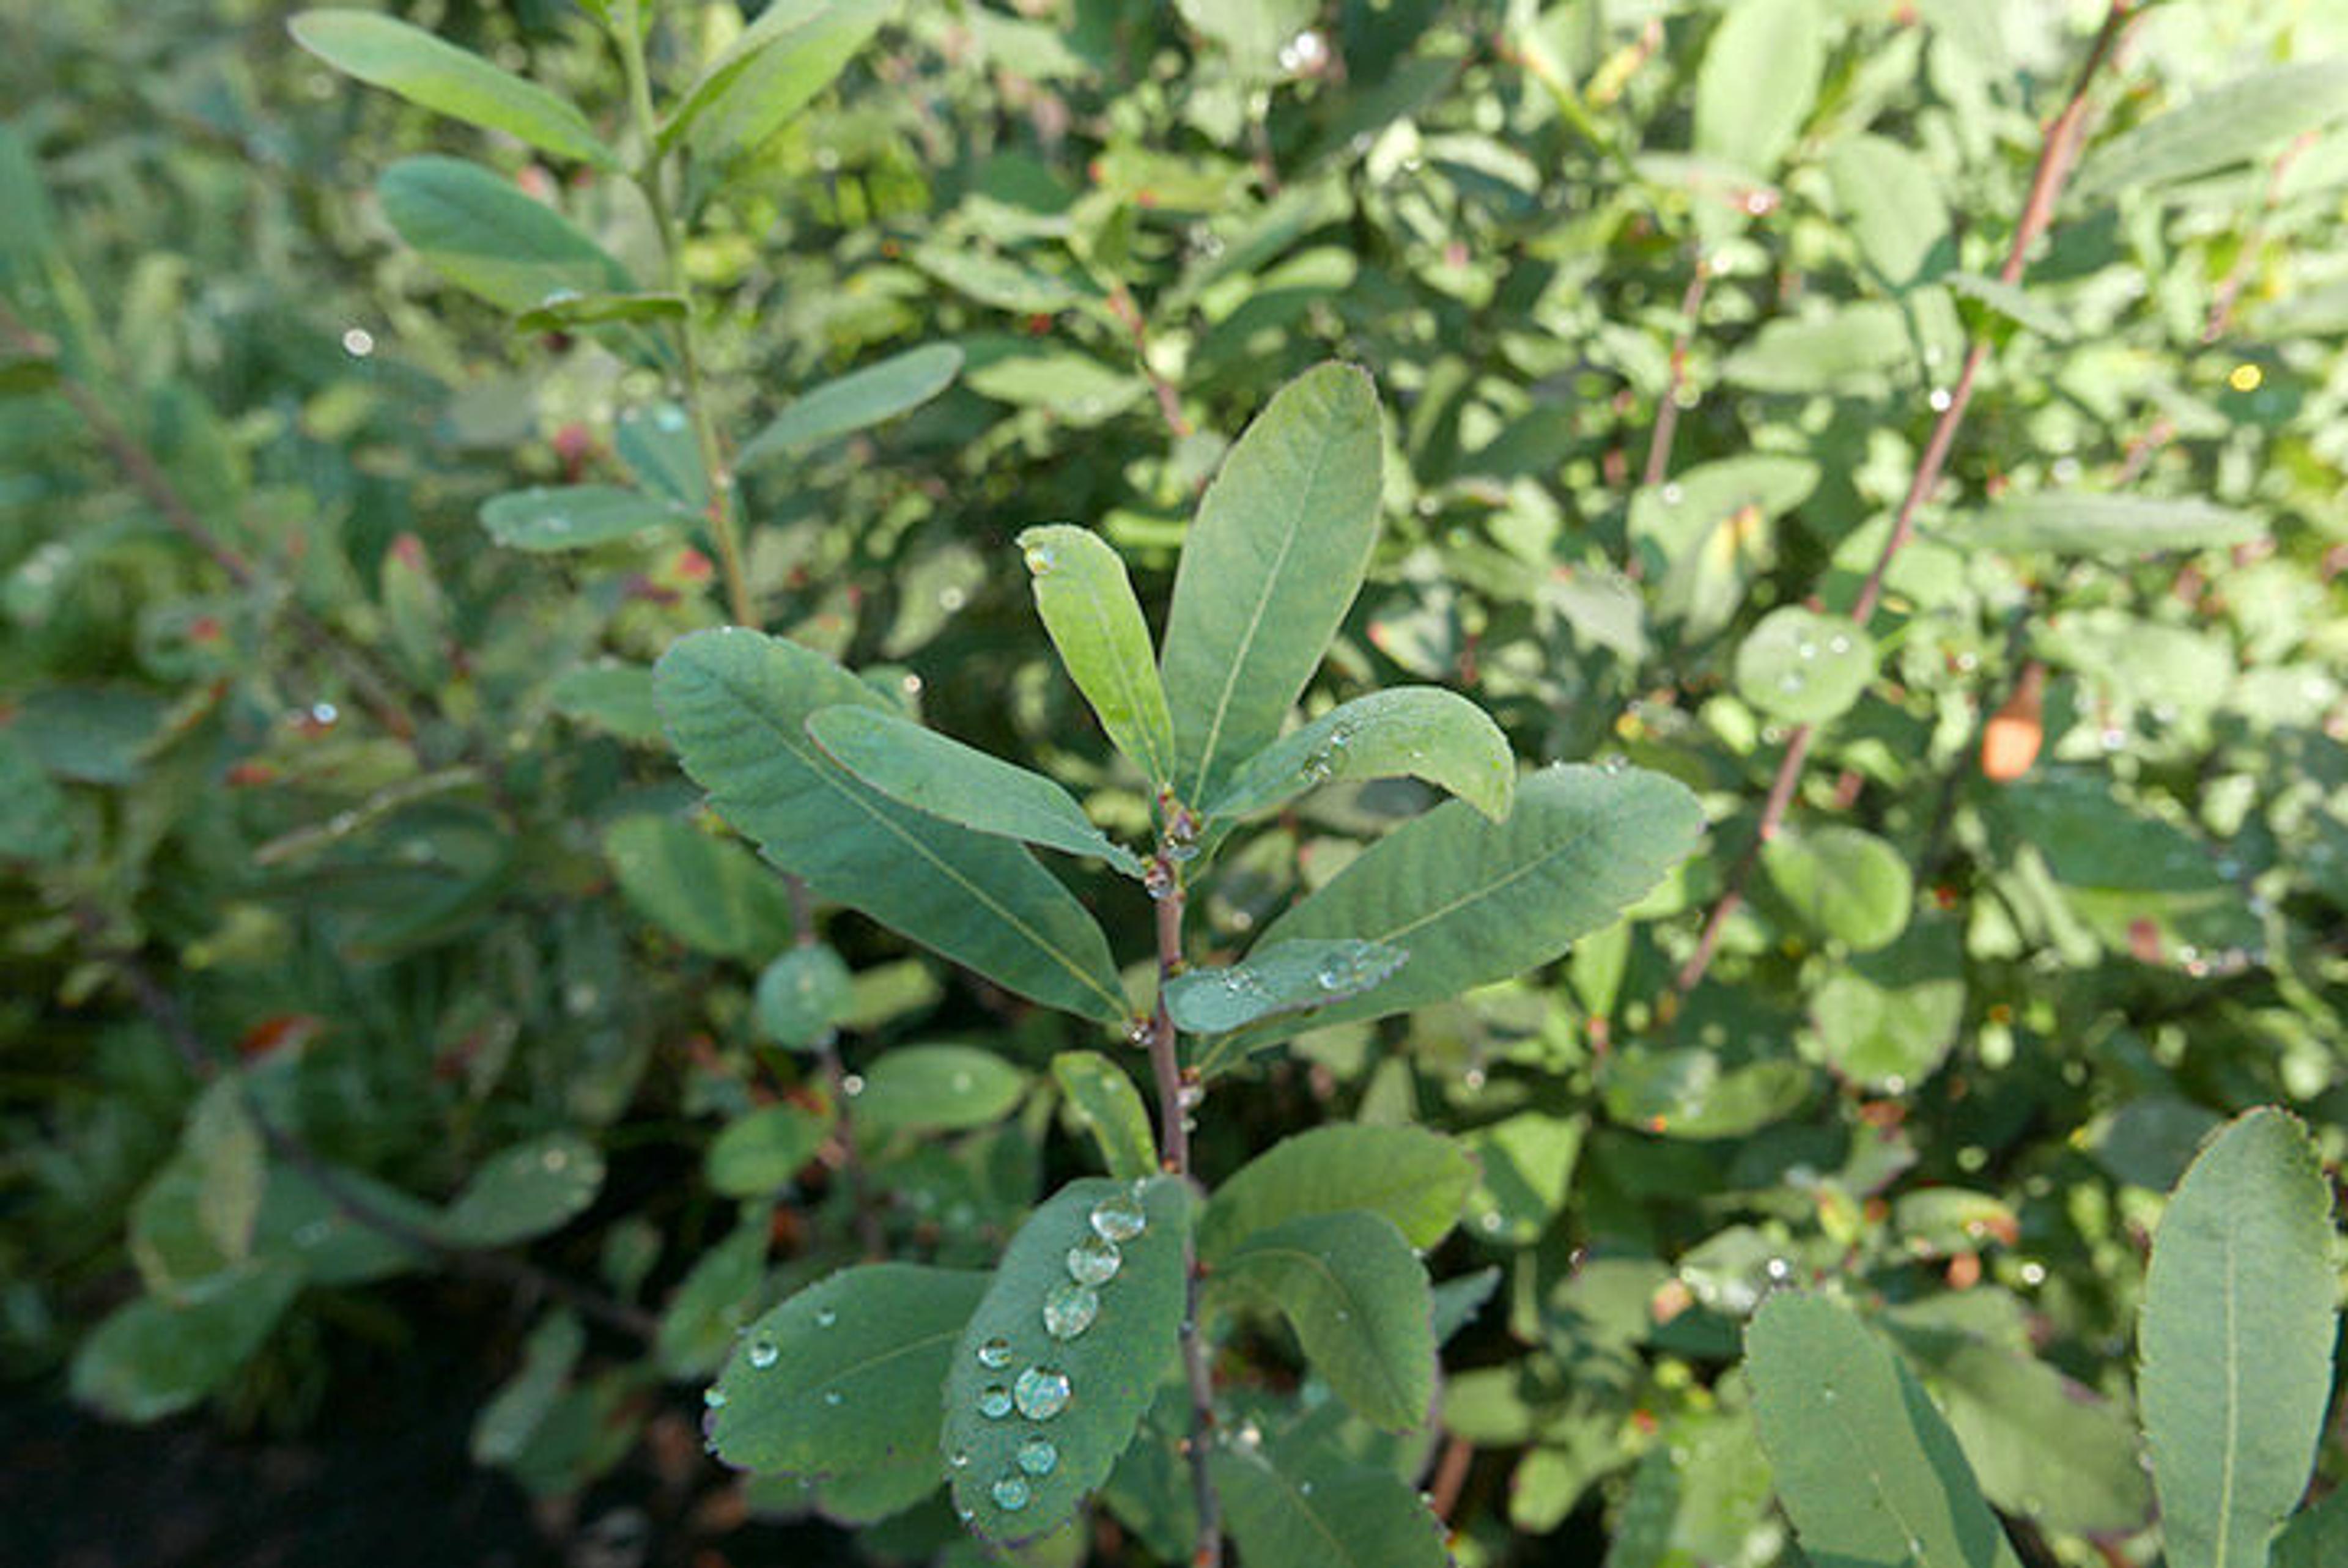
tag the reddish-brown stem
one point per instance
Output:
(2056, 153)
(1165, 882)
(147, 476)
(1667, 417)
(1450, 1476)
(1170, 402)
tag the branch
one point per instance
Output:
(2056, 153)
(1667, 416)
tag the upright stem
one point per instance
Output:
(2057, 151)
(1174, 1144)
(650, 181)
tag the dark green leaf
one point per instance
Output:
(1079, 1392)
(803, 997)
(757, 1155)
(503, 1429)
(936, 773)
(737, 704)
(558, 315)
(524, 1192)
(1422, 731)
(1357, 1296)
(778, 64)
(710, 894)
(941, 1088)
(390, 53)
(157, 1355)
(1268, 569)
(2235, 1339)
(1294, 1505)
(844, 1376)
(490, 238)
(857, 401)
(1104, 1101)
(615, 698)
(1415, 1178)
(573, 517)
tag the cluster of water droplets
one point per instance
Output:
(1039, 1393)
(1322, 760)
(1806, 651)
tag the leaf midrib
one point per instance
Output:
(1354, 1303)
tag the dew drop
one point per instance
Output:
(826, 1317)
(669, 418)
(995, 1354)
(1039, 1457)
(1790, 681)
(714, 1398)
(994, 1401)
(833, 1397)
(959, 1460)
(1069, 1309)
(1042, 561)
(1094, 1260)
(1940, 399)
(1010, 1493)
(1121, 1217)
(764, 1352)
(1041, 1394)
(1837, 644)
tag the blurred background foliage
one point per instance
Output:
(358, 925)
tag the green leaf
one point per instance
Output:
(503, 1429)
(2042, 1446)
(1888, 1019)
(1292, 1504)
(1254, 32)
(1866, 1468)
(573, 517)
(1524, 1168)
(936, 773)
(757, 1154)
(524, 1192)
(1844, 351)
(1357, 1296)
(489, 239)
(2118, 526)
(803, 997)
(699, 1327)
(2017, 305)
(1475, 901)
(1104, 1101)
(941, 1088)
(737, 704)
(231, 1166)
(561, 313)
(1278, 978)
(1074, 388)
(843, 1375)
(1424, 731)
(658, 445)
(2236, 1336)
(1268, 569)
(1689, 1092)
(1892, 203)
(2316, 1536)
(857, 401)
(772, 71)
(32, 821)
(1846, 883)
(1086, 603)
(1080, 1391)
(440, 76)
(2246, 117)
(615, 698)
(711, 894)
(158, 1355)
(1758, 81)
(1804, 668)
(1417, 1179)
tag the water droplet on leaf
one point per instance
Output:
(1119, 1217)
(1010, 1493)
(1069, 1309)
(764, 1352)
(1041, 1394)
(995, 1353)
(1094, 1260)
(1039, 1457)
(994, 1402)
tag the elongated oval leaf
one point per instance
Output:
(1758, 81)
(803, 997)
(658, 445)
(425, 70)
(736, 704)
(1357, 1296)
(524, 1192)
(156, 1357)
(844, 1376)
(565, 313)
(780, 62)
(1087, 602)
(573, 517)
(1033, 1417)
(1845, 882)
(1295, 1505)
(489, 239)
(857, 401)
(1869, 1472)
(1424, 731)
(938, 774)
(1278, 978)
(758, 1153)
(941, 1088)
(1415, 1178)
(2225, 125)
(1268, 569)
(710, 894)
(2236, 1339)
(1894, 209)
(1104, 1101)
(2112, 526)
(1475, 901)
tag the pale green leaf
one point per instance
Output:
(1086, 603)
(573, 517)
(504, 1426)
(857, 401)
(1254, 32)
(1418, 1179)
(802, 998)
(1844, 882)
(2246, 117)
(737, 703)
(936, 773)
(1357, 1297)
(1868, 1470)
(1082, 1393)
(938, 1088)
(844, 1376)
(772, 71)
(1758, 81)
(2119, 526)
(1892, 204)
(1424, 732)
(1103, 1101)
(657, 443)
(491, 240)
(1268, 571)
(390, 53)
(2236, 1337)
